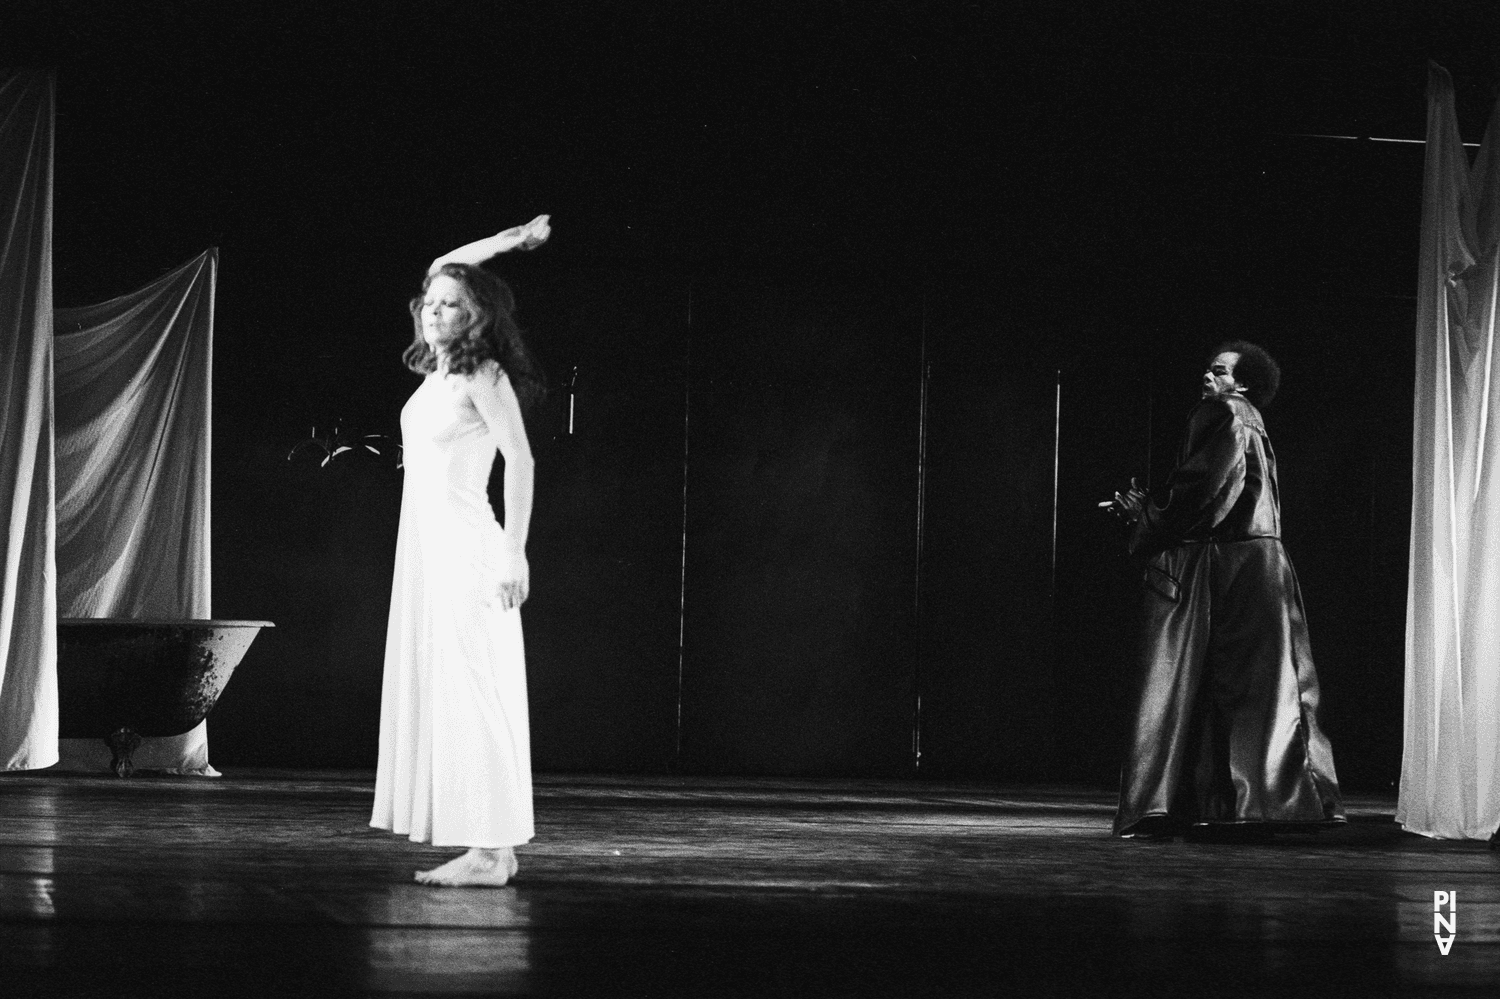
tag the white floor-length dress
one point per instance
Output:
(455, 751)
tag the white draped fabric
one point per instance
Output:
(1450, 773)
(133, 414)
(28, 608)
(104, 475)
(132, 407)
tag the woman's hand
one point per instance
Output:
(1127, 507)
(533, 233)
(515, 582)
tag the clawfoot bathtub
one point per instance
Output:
(119, 680)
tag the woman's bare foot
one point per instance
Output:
(479, 867)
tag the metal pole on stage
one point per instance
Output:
(924, 376)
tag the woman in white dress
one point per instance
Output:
(455, 750)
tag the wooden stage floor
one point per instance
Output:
(270, 883)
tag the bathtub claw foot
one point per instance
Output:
(123, 742)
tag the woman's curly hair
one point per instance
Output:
(492, 334)
(1256, 370)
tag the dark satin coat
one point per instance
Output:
(1226, 729)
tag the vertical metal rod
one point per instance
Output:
(924, 377)
(1370, 576)
(572, 396)
(1056, 464)
(687, 396)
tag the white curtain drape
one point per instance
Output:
(28, 609)
(104, 453)
(1450, 782)
(134, 413)
(133, 410)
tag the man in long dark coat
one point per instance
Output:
(1226, 731)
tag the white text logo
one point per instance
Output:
(1444, 923)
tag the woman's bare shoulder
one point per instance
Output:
(487, 383)
(487, 372)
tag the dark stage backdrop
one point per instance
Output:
(606, 539)
(726, 539)
(986, 665)
(798, 655)
(769, 227)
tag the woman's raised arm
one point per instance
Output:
(523, 237)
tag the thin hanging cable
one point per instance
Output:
(572, 396)
(924, 376)
(1359, 138)
(687, 369)
(1056, 464)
